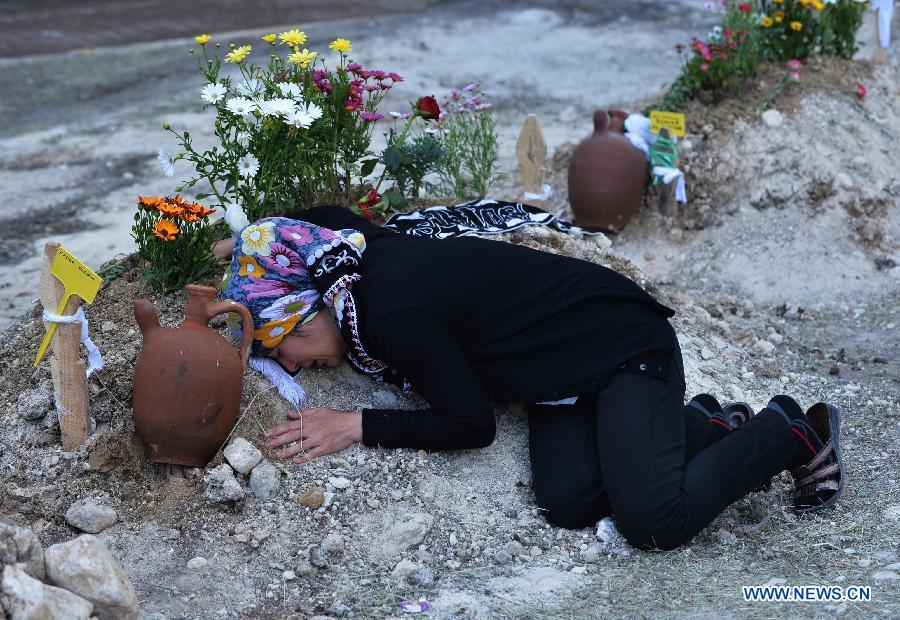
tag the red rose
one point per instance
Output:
(861, 90)
(373, 196)
(744, 7)
(428, 108)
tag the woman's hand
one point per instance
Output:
(317, 431)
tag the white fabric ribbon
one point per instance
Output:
(289, 389)
(95, 359)
(673, 174)
(546, 192)
(637, 130)
(885, 10)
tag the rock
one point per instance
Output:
(26, 598)
(333, 544)
(514, 548)
(603, 242)
(403, 569)
(221, 485)
(502, 556)
(769, 368)
(772, 118)
(265, 481)
(775, 338)
(197, 564)
(35, 403)
(85, 567)
(591, 554)
(306, 569)
(763, 347)
(318, 557)
(706, 353)
(20, 545)
(242, 455)
(90, 516)
(607, 531)
(385, 399)
(424, 556)
(339, 483)
(107, 326)
(892, 513)
(313, 497)
(406, 531)
(885, 575)
(452, 540)
(289, 575)
(421, 577)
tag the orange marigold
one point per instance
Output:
(198, 209)
(149, 202)
(165, 229)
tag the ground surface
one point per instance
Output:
(783, 270)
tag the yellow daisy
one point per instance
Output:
(797, 26)
(257, 238)
(202, 39)
(270, 38)
(766, 21)
(340, 45)
(303, 58)
(293, 37)
(238, 54)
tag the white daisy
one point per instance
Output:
(242, 138)
(397, 114)
(250, 88)
(241, 106)
(289, 90)
(165, 162)
(299, 118)
(276, 107)
(213, 93)
(248, 166)
(314, 111)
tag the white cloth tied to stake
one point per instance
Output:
(546, 192)
(95, 359)
(637, 130)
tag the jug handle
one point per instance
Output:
(247, 329)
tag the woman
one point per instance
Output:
(468, 321)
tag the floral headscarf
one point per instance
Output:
(283, 270)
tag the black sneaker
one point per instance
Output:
(819, 483)
(737, 414)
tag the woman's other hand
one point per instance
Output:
(223, 249)
(317, 432)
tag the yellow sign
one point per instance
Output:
(77, 279)
(672, 120)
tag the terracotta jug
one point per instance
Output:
(188, 381)
(607, 175)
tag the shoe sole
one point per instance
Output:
(834, 424)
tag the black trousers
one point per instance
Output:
(637, 451)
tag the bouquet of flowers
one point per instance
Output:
(290, 132)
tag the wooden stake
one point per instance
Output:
(69, 378)
(878, 56)
(531, 150)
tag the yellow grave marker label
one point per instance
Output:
(674, 121)
(77, 279)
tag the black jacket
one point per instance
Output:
(470, 320)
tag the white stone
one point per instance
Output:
(339, 483)
(607, 531)
(406, 531)
(19, 544)
(85, 567)
(242, 455)
(763, 347)
(772, 118)
(403, 569)
(198, 563)
(221, 485)
(333, 543)
(775, 338)
(265, 480)
(603, 242)
(706, 353)
(26, 598)
(885, 575)
(592, 553)
(90, 516)
(289, 575)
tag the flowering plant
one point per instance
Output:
(173, 235)
(290, 132)
(796, 28)
(792, 76)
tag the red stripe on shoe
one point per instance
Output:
(720, 423)
(805, 440)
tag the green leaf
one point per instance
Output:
(394, 200)
(368, 166)
(391, 158)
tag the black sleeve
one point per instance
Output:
(422, 349)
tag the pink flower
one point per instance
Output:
(266, 288)
(794, 65)
(795, 76)
(298, 235)
(861, 90)
(395, 77)
(704, 67)
(283, 260)
(371, 116)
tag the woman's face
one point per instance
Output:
(316, 343)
